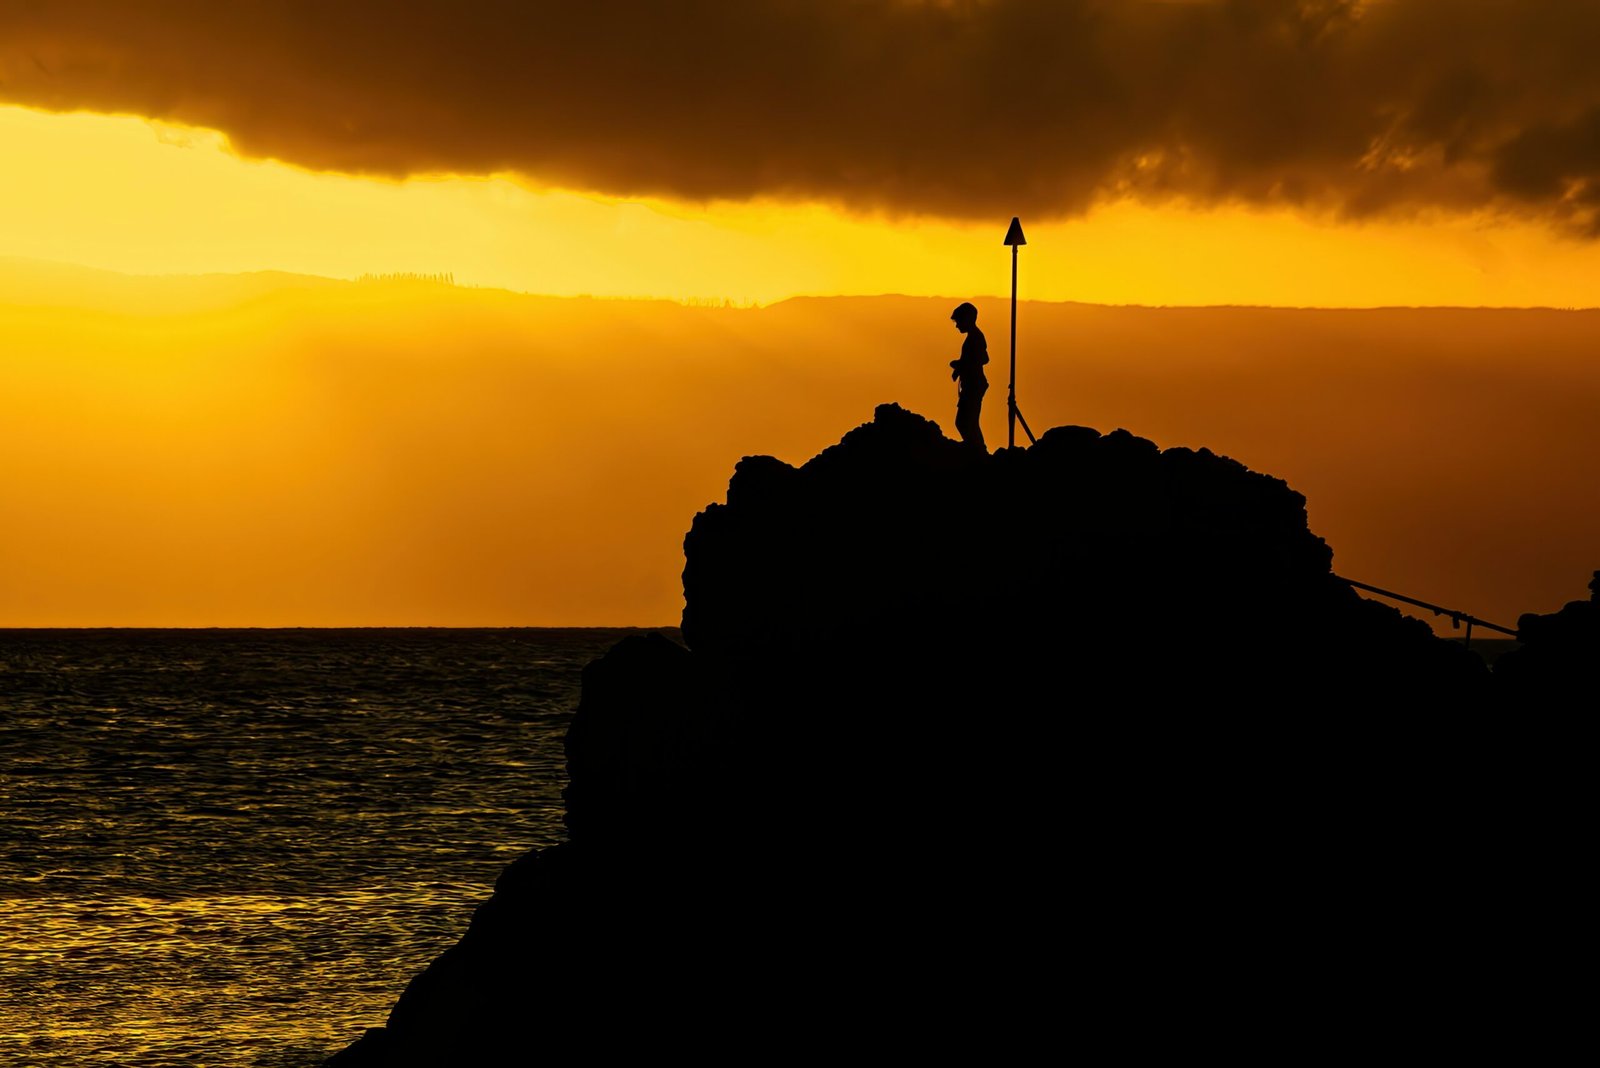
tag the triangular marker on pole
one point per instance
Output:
(1014, 238)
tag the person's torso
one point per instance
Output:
(974, 354)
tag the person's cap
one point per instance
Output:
(964, 310)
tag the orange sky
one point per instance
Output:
(242, 449)
(137, 196)
(279, 450)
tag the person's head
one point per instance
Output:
(965, 317)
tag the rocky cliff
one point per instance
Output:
(963, 746)
(1560, 653)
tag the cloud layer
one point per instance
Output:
(955, 109)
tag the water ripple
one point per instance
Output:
(234, 847)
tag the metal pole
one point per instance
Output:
(1011, 400)
(1014, 237)
(1455, 616)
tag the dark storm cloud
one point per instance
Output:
(962, 109)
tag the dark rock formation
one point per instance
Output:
(949, 723)
(1560, 652)
(1123, 572)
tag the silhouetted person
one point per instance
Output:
(968, 370)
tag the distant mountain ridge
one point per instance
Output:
(268, 449)
(22, 275)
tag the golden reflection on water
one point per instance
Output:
(268, 981)
(235, 848)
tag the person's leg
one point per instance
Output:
(967, 424)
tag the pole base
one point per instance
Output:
(1016, 414)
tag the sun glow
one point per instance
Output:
(145, 197)
(286, 449)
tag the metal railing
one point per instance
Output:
(1457, 617)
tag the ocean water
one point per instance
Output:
(235, 847)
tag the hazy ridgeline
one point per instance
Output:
(275, 450)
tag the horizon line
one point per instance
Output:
(354, 626)
(728, 303)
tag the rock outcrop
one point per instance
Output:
(964, 743)
(1560, 652)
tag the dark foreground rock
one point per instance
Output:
(969, 754)
(1560, 653)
